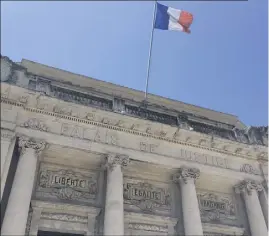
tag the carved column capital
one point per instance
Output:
(186, 174)
(116, 159)
(248, 186)
(27, 142)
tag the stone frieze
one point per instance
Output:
(110, 135)
(131, 125)
(64, 217)
(148, 227)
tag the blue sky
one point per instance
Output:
(221, 65)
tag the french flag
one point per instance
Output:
(168, 18)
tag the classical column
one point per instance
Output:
(15, 218)
(191, 213)
(250, 189)
(114, 208)
(264, 202)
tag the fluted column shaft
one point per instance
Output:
(15, 218)
(190, 206)
(114, 207)
(250, 189)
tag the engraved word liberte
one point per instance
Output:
(66, 181)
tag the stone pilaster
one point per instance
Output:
(250, 189)
(114, 207)
(6, 139)
(21, 192)
(191, 213)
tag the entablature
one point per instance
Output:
(101, 138)
(91, 97)
(81, 115)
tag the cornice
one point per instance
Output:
(190, 138)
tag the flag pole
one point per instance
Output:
(150, 49)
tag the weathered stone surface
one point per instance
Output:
(147, 149)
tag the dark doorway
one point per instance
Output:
(49, 233)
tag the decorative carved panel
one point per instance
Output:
(65, 184)
(147, 197)
(148, 227)
(80, 98)
(217, 209)
(64, 217)
(212, 130)
(214, 234)
(151, 115)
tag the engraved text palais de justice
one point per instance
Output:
(93, 134)
(109, 137)
(190, 156)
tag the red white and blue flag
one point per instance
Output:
(168, 18)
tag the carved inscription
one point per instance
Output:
(102, 135)
(214, 234)
(212, 204)
(148, 147)
(148, 227)
(247, 168)
(93, 134)
(216, 209)
(64, 217)
(147, 197)
(66, 184)
(204, 159)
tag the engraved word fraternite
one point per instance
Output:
(80, 156)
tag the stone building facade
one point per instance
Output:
(85, 157)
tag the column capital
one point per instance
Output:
(114, 159)
(248, 186)
(186, 174)
(28, 142)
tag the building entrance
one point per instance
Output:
(49, 233)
